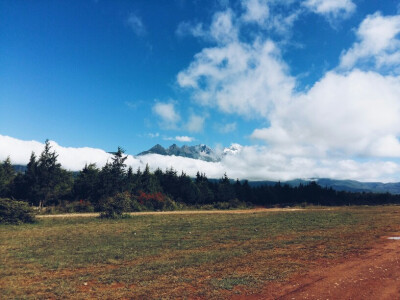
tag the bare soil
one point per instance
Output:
(373, 275)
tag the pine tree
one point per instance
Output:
(226, 191)
(149, 182)
(86, 183)
(53, 181)
(7, 175)
(112, 177)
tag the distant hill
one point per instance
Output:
(19, 168)
(357, 186)
(341, 185)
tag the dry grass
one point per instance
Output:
(185, 255)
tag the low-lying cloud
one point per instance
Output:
(250, 162)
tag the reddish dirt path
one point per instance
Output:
(374, 275)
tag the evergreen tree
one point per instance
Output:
(130, 180)
(149, 182)
(7, 175)
(225, 190)
(189, 192)
(170, 183)
(112, 178)
(26, 186)
(206, 195)
(53, 182)
(85, 184)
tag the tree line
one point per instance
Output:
(118, 187)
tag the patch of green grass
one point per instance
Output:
(169, 256)
(228, 283)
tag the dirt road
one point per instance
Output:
(374, 275)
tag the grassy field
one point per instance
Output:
(186, 256)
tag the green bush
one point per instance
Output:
(78, 207)
(136, 206)
(15, 212)
(114, 207)
(231, 204)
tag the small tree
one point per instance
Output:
(114, 207)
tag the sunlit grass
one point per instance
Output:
(209, 256)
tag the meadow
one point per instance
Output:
(181, 255)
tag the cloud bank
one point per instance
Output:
(249, 162)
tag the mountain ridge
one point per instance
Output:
(201, 151)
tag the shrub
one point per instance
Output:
(136, 206)
(156, 201)
(15, 212)
(80, 206)
(114, 207)
(222, 205)
(231, 204)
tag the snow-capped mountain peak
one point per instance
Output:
(202, 152)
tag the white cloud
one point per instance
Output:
(171, 119)
(183, 139)
(167, 113)
(195, 123)
(246, 79)
(187, 28)
(352, 114)
(136, 24)
(378, 43)
(255, 11)
(251, 162)
(273, 15)
(70, 158)
(153, 135)
(222, 29)
(259, 163)
(133, 104)
(331, 8)
(187, 139)
(226, 128)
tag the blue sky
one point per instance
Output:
(103, 74)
